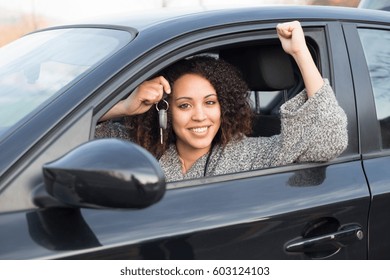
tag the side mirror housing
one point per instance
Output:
(105, 173)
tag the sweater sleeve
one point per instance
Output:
(313, 129)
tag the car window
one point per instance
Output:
(377, 51)
(37, 66)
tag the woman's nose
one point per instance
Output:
(199, 114)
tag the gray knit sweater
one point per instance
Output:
(312, 130)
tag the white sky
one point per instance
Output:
(69, 10)
(74, 9)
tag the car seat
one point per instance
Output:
(266, 68)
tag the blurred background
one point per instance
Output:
(18, 17)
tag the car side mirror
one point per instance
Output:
(105, 173)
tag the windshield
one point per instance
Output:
(38, 66)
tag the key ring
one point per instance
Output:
(162, 119)
(166, 102)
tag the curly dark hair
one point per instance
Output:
(232, 93)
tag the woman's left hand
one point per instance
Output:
(292, 37)
(293, 42)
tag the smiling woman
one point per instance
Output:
(209, 107)
(196, 116)
(210, 117)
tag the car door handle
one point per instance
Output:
(338, 239)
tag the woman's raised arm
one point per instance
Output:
(293, 42)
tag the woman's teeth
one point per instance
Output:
(199, 129)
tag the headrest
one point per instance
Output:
(264, 68)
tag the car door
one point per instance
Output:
(303, 211)
(370, 56)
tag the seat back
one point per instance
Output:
(264, 68)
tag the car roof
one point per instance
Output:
(202, 17)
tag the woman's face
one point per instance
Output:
(196, 114)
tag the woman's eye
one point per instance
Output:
(211, 102)
(184, 106)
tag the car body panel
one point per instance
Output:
(213, 221)
(377, 174)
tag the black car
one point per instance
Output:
(66, 195)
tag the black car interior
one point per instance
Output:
(266, 68)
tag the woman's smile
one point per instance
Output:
(199, 130)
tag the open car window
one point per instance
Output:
(265, 98)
